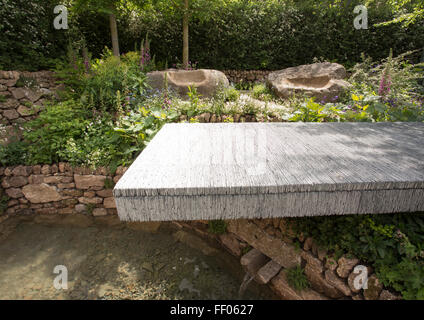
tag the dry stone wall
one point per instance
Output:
(22, 96)
(237, 76)
(62, 189)
(65, 190)
(273, 251)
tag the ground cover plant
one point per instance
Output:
(393, 244)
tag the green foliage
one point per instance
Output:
(137, 128)
(195, 103)
(231, 94)
(391, 243)
(406, 12)
(250, 35)
(297, 278)
(194, 97)
(228, 119)
(230, 34)
(384, 91)
(90, 207)
(262, 92)
(28, 40)
(50, 132)
(243, 85)
(110, 83)
(109, 184)
(67, 131)
(14, 153)
(245, 250)
(217, 226)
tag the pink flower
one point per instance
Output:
(385, 84)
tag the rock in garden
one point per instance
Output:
(267, 272)
(374, 288)
(106, 193)
(10, 114)
(95, 200)
(21, 171)
(283, 253)
(346, 265)
(24, 111)
(206, 81)
(81, 208)
(18, 93)
(98, 212)
(320, 284)
(9, 103)
(281, 286)
(313, 262)
(109, 202)
(14, 193)
(16, 181)
(40, 193)
(338, 283)
(308, 244)
(319, 80)
(31, 95)
(253, 261)
(231, 243)
(387, 295)
(87, 181)
(331, 263)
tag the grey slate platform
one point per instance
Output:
(264, 170)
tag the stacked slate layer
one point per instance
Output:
(265, 170)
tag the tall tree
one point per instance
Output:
(185, 34)
(108, 7)
(189, 9)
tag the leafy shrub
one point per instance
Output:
(15, 153)
(297, 278)
(139, 127)
(109, 184)
(231, 94)
(243, 85)
(50, 132)
(67, 131)
(391, 243)
(111, 82)
(29, 41)
(262, 92)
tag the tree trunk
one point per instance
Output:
(114, 34)
(185, 35)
